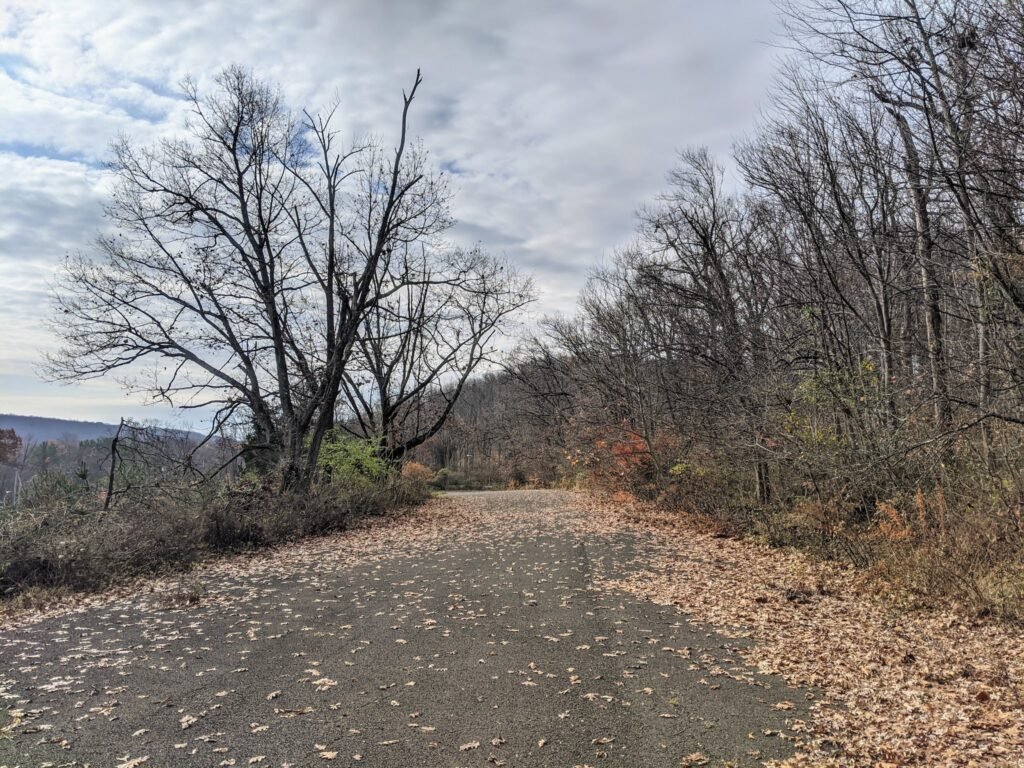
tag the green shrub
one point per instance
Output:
(442, 478)
(353, 463)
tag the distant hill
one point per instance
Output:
(40, 428)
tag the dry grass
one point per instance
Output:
(51, 550)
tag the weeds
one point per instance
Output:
(64, 544)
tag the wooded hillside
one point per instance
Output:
(825, 346)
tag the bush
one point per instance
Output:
(68, 542)
(68, 548)
(442, 478)
(452, 480)
(352, 462)
(413, 471)
(960, 542)
(247, 516)
(417, 476)
(56, 489)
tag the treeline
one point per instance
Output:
(136, 457)
(22, 461)
(830, 350)
(506, 430)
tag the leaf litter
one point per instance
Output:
(898, 687)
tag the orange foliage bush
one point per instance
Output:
(416, 472)
(891, 524)
(621, 463)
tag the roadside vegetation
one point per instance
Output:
(61, 537)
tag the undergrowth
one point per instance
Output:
(64, 542)
(955, 539)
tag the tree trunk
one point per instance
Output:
(930, 287)
(764, 486)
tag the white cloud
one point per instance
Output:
(560, 119)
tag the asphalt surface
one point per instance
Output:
(486, 647)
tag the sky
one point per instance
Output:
(557, 121)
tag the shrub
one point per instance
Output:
(959, 541)
(353, 462)
(442, 478)
(55, 489)
(452, 480)
(60, 545)
(417, 475)
(416, 472)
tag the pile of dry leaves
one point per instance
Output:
(896, 687)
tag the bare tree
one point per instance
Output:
(246, 258)
(416, 350)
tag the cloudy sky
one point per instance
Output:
(557, 120)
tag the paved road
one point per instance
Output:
(479, 644)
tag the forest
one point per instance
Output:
(821, 340)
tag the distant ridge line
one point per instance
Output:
(44, 428)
